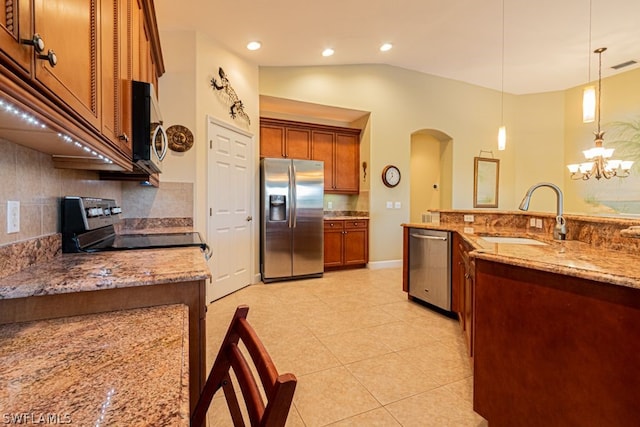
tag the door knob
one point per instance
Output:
(249, 218)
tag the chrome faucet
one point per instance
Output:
(560, 230)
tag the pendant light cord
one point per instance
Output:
(599, 86)
(589, 53)
(502, 71)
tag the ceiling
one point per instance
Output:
(546, 42)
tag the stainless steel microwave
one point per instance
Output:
(149, 141)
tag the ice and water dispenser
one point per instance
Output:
(277, 207)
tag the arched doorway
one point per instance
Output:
(431, 172)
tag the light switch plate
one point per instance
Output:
(397, 205)
(13, 216)
(538, 223)
(389, 205)
(532, 222)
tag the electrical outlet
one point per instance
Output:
(397, 205)
(538, 223)
(13, 216)
(468, 218)
(389, 205)
(329, 205)
(532, 222)
(468, 230)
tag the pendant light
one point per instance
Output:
(589, 94)
(502, 131)
(599, 163)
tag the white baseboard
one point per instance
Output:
(377, 265)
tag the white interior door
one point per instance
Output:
(230, 221)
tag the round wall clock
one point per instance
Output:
(391, 176)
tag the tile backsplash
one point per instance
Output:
(28, 176)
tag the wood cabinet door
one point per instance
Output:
(298, 143)
(355, 246)
(347, 159)
(15, 25)
(113, 44)
(333, 232)
(272, 141)
(322, 149)
(468, 302)
(70, 29)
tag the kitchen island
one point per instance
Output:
(118, 368)
(88, 283)
(554, 329)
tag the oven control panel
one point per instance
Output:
(81, 214)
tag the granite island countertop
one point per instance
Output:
(125, 367)
(569, 257)
(82, 272)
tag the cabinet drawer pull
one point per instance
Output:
(50, 56)
(35, 41)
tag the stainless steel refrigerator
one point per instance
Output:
(292, 227)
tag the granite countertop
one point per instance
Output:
(340, 215)
(119, 368)
(569, 257)
(81, 272)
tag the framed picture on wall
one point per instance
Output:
(486, 174)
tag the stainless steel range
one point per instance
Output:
(88, 226)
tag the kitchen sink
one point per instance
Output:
(512, 240)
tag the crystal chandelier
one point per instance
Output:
(599, 163)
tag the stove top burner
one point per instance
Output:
(88, 226)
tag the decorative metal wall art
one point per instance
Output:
(237, 108)
(180, 138)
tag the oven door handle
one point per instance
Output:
(208, 253)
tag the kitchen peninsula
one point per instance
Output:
(554, 329)
(81, 284)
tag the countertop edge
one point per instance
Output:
(594, 274)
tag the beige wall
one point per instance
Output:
(424, 174)
(620, 103)
(187, 98)
(402, 102)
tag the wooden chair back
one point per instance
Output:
(278, 389)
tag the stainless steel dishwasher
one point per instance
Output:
(430, 266)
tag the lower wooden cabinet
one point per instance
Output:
(346, 243)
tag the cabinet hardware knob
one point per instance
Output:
(35, 41)
(249, 218)
(124, 137)
(50, 56)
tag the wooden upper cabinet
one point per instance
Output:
(116, 108)
(271, 141)
(338, 148)
(69, 29)
(322, 149)
(277, 139)
(15, 26)
(298, 143)
(347, 163)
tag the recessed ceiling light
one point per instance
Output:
(385, 47)
(254, 45)
(328, 52)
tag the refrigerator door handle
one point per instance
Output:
(294, 196)
(291, 201)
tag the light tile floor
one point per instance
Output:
(363, 354)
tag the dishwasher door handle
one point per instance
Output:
(421, 236)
